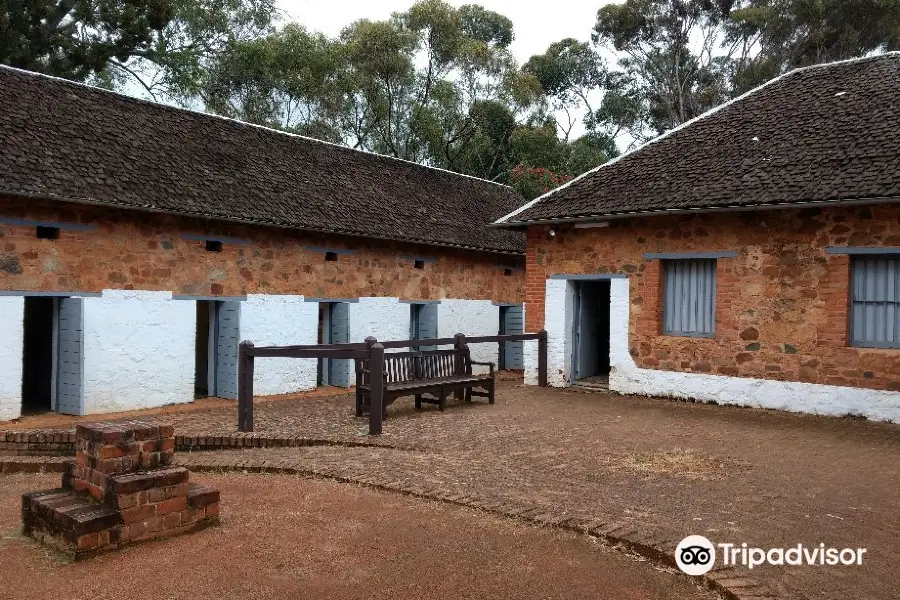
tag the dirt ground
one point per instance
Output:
(669, 469)
(287, 537)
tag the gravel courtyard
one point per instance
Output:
(288, 537)
(638, 468)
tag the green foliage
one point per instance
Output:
(163, 45)
(801, 32)
(486, 26)
(199, 33)
(284, 80)
(78, 38)
(679, 58)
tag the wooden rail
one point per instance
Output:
(371, 349)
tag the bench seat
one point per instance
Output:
(430, 376)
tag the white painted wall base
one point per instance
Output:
(12, 315)
(382, 318)
(139, 345)
(268, 320)
(627, 378)
(472, 318)
(388, 319)
(138, 351)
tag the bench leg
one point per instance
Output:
(491, 393)
(359, 407)
(418, 402)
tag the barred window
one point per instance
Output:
(875, 311)
(689, 307)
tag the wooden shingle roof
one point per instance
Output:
(67, 141)
(820, 134)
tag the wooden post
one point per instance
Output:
(542, 358)
(459, 343)
(376, 388)
(361, 378)
(245, 386)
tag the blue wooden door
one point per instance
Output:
(70, 356)
(339, 333)
(227, 339)
(513, 323)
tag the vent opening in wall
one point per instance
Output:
(507, 272)
(331, 257)
(47, 233)
(419, 264)
(213, 246)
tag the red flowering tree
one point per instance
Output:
(532, 182)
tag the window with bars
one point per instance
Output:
(689, 305)
(875, 302)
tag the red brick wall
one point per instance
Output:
(134, 250)
(781, 305)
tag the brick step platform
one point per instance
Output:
(55, 442)
(121, 488)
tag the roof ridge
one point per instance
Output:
(708, 113)
(201, 113)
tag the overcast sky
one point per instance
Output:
(536, 25)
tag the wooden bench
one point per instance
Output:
(429, 375)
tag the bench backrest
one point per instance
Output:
(428, 364)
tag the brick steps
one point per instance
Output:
(119, 489)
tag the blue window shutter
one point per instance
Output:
(875, 301)
(689, 297)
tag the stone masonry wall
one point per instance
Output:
(781, 305)
(131, 250)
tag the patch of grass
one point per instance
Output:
(686, 464)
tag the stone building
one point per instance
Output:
(139, 243)
(750, 256)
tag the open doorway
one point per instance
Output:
(53, 355)
(38, 362)
(334, 328)
(590, 332)
(216, 348)
(202, 347)
(423, 322)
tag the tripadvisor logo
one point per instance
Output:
(696, 555)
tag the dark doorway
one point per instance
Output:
(202, 349)
(37, 355)
(590, 336)
(334, 328)
(216, 348)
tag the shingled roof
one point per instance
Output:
(820, 134)
(67, 141)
